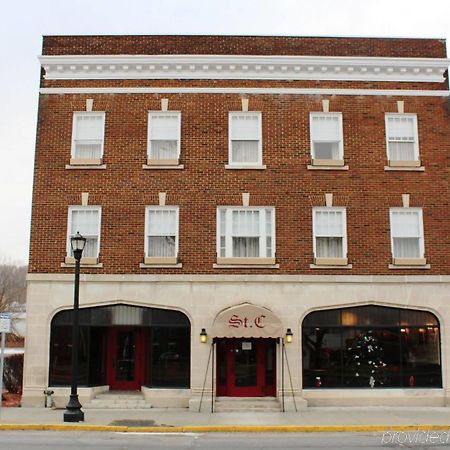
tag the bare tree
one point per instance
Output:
(12, 286)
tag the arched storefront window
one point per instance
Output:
(371, 346)
(123, 346)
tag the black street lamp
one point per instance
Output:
(73, 411)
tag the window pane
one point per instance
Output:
(422, 366)
(406, 248)
(88, 150)
(170, 353)
(322, 357)
(326, 150)
(325, 128)
(401, 151)
(401, 128)
(164, 149)
(161, 246)
(245, 247)
(329, 223)
(245, 127)
(327, 247)
(162, 222)
(244, 152)
(405, 223)
(89, 127)
(85, 222)
(164, 127)
(245, 223)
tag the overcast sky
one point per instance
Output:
(23, 23)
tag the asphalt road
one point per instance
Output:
(49, 440)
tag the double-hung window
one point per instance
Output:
(246, 235)
(164, 129)
(161, 235)
(88, 132)
(402, 140)
(245, 143)
(86, 221)
(330, 236)
(407, 236)
(327, 146)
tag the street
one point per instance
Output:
(26, 440)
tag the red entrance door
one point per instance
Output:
(125, 359)
(246, 367)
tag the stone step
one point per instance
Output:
(243, 404)
(118, 400)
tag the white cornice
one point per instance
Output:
(243, 91)
(108, 67)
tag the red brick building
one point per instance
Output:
(225, 180)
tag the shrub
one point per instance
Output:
(13, 373)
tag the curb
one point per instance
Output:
(225, 428)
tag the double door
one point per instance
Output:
(246, 367)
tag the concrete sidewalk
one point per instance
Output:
(313, 419)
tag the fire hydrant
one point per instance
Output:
(49, 402)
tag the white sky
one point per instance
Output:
(22, 24)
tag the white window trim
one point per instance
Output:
(344, 237)
(228, 236)
(78, 161)
(421, 258)
(416, 140)
(69, 226)
(252, 164)
(157, 259)
(332, 162)
(161, 162)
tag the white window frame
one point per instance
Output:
(408, 261)
(73, 159)
(231, 163)
(416, 161)
(331, 261)
(84, 260)
(161, 259)
(229, 258)
(150, 159)
(329, 162)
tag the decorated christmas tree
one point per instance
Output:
(364, 361)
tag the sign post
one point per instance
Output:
(5, 327)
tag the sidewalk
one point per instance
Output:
(313, 419)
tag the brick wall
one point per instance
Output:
(124, 188)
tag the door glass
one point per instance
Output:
(245, 363)
(269, 362)
(125, 356)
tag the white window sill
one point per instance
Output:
(162, 166)
(404, 169)
(246, 266)
(255, 167)
(88, 166)
(161, 266)
(92, 266)
(310, 167)
(323, 266)
(400, 267)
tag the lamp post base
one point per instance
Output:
(73, 411)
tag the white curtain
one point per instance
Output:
(88, 136)
(162, 232)
(329, 247)
(164, 131)
(406, 234)
(245, 151)
(401, 138)
(164, 149)
(86, 222)
(326, 136)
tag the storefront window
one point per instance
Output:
(371, 347)
(163, 336)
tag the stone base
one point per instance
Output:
(289, 406)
